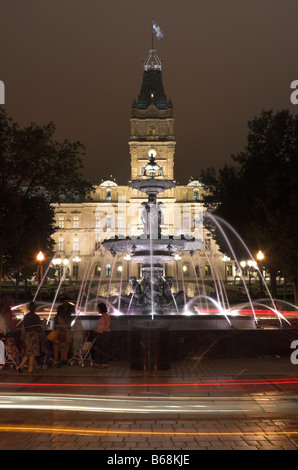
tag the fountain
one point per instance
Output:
(152, 249)
(157, 323)
(155, 297)
(154, 294)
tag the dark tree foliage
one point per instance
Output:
(257, 193)
(35, 170)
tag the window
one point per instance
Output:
(229, 269)
(207, 270)
(75, 270)
(109, 195)
(61, 221)
(119, 269)
(108, 270)
(61, 244)
(76, 244)
(185, 269)
(75, 222)
(196, 195)
(152, 131)
(97, 271)
(143, 171)
(109, 221)
(160, 172)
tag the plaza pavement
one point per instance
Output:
(249, 404)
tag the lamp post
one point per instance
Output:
(76, 260)
(260, 257)
(39, 270)
(57, 262)
(251, 265)
(225, 259)
(127, 258)
(177, 258)
(66, 263)
(243, 264)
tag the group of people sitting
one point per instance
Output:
(64, 338)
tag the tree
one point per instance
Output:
(33, 235)
(257, 194)
(35, 170)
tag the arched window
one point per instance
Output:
(196, 195)
(108, 270)
(119, 269)
(207, 270)
(185, 269)
(109, 195)
(160, 172)
(152, 130)
(97, 270)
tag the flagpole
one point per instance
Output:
(152, 34)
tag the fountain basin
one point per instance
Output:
(163, 247)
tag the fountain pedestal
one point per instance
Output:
(153, 294)
(150, 345)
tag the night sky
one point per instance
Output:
(79, 63)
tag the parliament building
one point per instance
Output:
(114, 210)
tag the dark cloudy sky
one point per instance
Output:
(79, 63)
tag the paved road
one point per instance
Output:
(82, 409)
(55, 430)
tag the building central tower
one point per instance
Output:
(152, 124)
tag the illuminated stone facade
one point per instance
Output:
(116, 210)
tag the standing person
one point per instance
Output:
(6, 313)
(33, 327)
(3, 331)
(2, 353)
(63, 328)
(101, 345)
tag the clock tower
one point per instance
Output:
(152, 124)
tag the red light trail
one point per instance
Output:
(207, 383)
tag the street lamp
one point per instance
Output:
(76, 260)
(152, 165)
(251, 265)
(58, 262)
(260, 257)
(177, 258)
(39, 270)
(225, 259)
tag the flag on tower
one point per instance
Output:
(157, 31)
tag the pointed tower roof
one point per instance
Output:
(152, 91)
